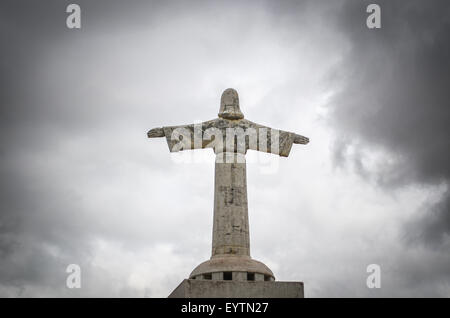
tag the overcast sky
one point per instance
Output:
(81, 183)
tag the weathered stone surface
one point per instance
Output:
(232, 264)
(230, 227)
(191, 288)
(231, 272)
(218, 135)
(229, 105)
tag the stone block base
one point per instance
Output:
(193, 288)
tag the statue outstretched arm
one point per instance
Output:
(155, 133)
(212, 134)
(183, 137)
(275, 141)
(299, 139)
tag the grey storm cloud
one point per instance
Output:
(80, 181)
(395, 96)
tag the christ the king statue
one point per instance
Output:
(230, 136)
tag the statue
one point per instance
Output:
(230, 136)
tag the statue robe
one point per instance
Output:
(229, 136)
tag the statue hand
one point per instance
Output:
(155, 132)
(298, 139)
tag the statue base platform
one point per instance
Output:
(194, 288)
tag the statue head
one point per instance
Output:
(229, 105)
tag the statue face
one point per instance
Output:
(229, 105)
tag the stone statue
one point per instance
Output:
(230, 136)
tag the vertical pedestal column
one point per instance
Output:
(230, 227)
(230, 257)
